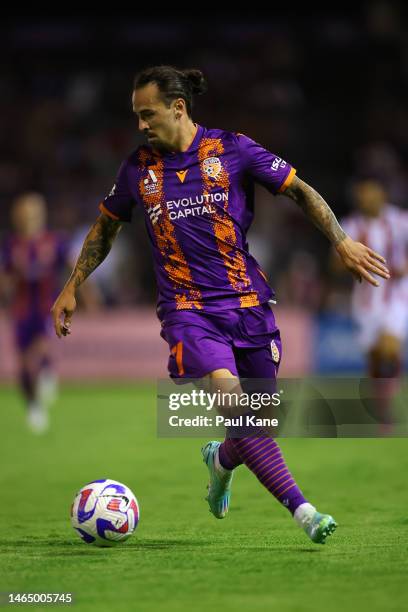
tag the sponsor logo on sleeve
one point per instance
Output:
(277, 163)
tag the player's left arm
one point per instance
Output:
(357, 257)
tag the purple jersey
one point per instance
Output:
(35, 265)
(198, 208)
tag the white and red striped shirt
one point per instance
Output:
(386, 234)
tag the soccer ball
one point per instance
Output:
(105, 512)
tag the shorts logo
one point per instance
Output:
(151, 184)
(275, 352)
(212, 167)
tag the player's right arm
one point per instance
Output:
(96, 247)
(115, 209)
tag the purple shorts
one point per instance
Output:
(245, 341)
(27, 330)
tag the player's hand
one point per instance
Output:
(361, 260)
(65, 305)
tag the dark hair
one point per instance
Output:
(173, 83)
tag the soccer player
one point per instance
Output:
(381, 314)
(195, 186)
(31, 261)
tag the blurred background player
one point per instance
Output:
(32, 259)
(381, 314)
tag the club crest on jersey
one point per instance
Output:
(212, 167)
(275, 352)
(151, 184)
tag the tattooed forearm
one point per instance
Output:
(316, 209)
(96, 247)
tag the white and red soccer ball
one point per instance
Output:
(105, 512)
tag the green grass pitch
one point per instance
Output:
(180, 557)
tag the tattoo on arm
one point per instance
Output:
(316, 209)
(96, 247)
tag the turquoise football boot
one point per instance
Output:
(219, 487)
(319, 527)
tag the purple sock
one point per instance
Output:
(264, 458)
(228, 456)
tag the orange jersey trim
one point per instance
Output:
(287, 180)
(105, 211)
(177, 351)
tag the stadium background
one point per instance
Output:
(327, 91)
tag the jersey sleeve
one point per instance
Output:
(119, 203)
(265, 167)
